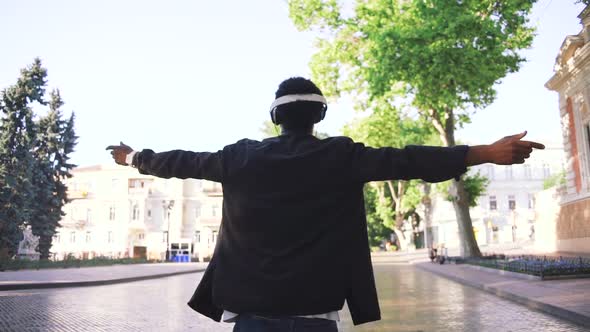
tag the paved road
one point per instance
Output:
(411, 300)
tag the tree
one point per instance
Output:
(555, 180)
(55, 141)
(441, 57)
(475, 186)
(269, 129)
(17, 138)
(33, 162)
(387, 126)
(376, 229)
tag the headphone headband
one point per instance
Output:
(286, 99)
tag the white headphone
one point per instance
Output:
(286, 99)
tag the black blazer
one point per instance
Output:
(294, 235)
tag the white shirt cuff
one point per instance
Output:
(129, 158)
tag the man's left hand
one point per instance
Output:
(512, 149)
(120, 152)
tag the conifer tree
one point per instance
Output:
(17, 139)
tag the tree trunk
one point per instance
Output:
(446, 129)
(400, 239)
(427, 203)
(44, 246)
(469, 247)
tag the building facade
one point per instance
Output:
(571, 80)
(506, 212)
(117, 212)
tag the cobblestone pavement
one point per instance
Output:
(411, 300)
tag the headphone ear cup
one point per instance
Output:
(273, 116)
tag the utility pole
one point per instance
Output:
(167, 205)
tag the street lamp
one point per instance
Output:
(167, 205)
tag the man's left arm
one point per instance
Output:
(176, 163)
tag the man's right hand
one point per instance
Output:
(120, 152)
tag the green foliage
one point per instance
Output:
(269, 129)
(442, 55)
(33, 161)
(475, 186)
(555, 180)
(55, 142)
(376, 229)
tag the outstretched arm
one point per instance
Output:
(176, 163)
(435, 164)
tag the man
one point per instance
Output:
(293, 243)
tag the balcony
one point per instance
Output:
(140, 191)
(78, 194)
(209, 221)
(213, 189)
(137, 225)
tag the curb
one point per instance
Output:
(550, 309)
(64, 284)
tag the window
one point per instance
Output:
(72, 237)
(88, 237)
(508, 171)
(164, 236)
(88, 215)
(149, 213)
(57, 238)
(527, 171)
(214, 210)
(141, 236)
(214, 236)
(198, 236)
(491, 174)
(531, 201)
(114, 183)
(112, 214)
(546, 171)
(493, 203)
(511, 202)
(110, 237)
(135, 212)
(197, 212)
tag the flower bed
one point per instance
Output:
(541, 266)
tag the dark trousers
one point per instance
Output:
(251, 323)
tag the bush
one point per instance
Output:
(69, 262)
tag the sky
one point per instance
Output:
(198, 75)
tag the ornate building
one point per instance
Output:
(506, 212)
(117, 212)
(572, 82)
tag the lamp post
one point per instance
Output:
(167, 205)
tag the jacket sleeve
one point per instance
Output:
(180, 164)
(429, 163)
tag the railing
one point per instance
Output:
(546, 267)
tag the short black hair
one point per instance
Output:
(300, 114)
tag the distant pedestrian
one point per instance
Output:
(290, 203)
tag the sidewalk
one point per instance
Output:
(567, 299)
(93, 276)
